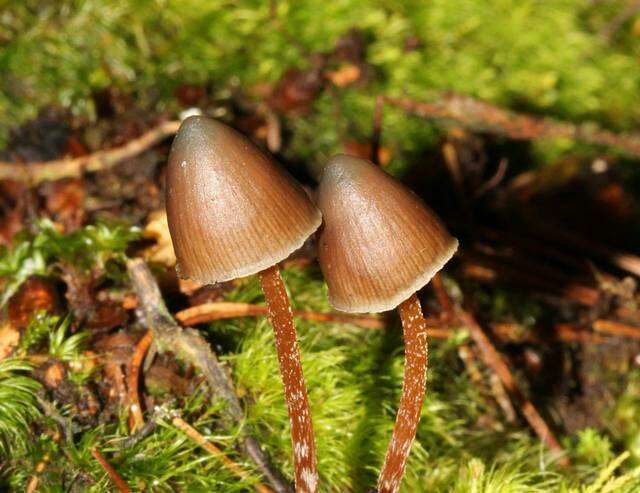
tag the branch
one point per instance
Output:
(208, 312)
(468, 357)
(616, 328)
(619, 20)
(135, 409)
(190, 346)
(376, 134)
(192, 433)
(113, 474)
(493, 360)
(35, 173)
(478, 115)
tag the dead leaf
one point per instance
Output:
(188, 286)
(157, 228)
(107, 315)
(65, 202)
(34, 295)
(9, 339)
(54, 375)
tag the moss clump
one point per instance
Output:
(547, 58)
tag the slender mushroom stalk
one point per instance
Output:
(233, 212)
(416, 356)
(295, 392)
(380, 244)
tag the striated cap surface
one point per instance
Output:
(380, 243)
(232, 210)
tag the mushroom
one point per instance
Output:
(233, 212)
(379, 245)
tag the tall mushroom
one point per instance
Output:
(233, 212)
(379, 245)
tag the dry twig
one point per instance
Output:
(35, 173)
(610, 29)
(494, 361)
(135, 409)
(234, 467)
(208, 312)
(441, 295)
(479, 115)
(376, 134)
(616, 328)
(113, 474)
(468, 357)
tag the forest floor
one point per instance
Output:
(114, 373)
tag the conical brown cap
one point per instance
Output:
(380, 243)
(232, 210)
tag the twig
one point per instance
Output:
(113, 474)
(113, 373)
(482, 116)
(35, 173)
(234, 467)
(452, 164)
(441, 294)
(487, 270)
(508, 332)
(623, 16)
(376, 134)
(208, 312)
(616, 329)
(141, 433)
(502, 398)
(188, 345)
(468, 357)
(135, 417)
(52, 412)
(494, 181)
(622, 260)
(569, 333)
(494, 361)
(530, 246)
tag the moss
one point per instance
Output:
(540, 57)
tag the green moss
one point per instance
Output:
(541, 57)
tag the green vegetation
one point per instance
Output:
(549, 58)
(543, 57)
(353, 376)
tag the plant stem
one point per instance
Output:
(111, 472)
(234, 467)
(295, 391)
(413, 388)
(135, 408)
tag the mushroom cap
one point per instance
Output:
(380, 243)
(232, 210)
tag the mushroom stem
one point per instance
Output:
(295, 390)
(413, 388)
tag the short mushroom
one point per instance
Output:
(233, 212)
(379, 245)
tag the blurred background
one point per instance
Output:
(517, 121)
